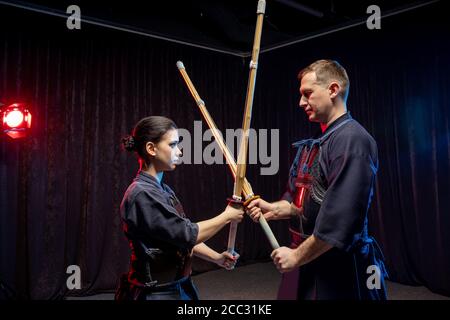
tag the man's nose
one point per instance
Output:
(303, 102)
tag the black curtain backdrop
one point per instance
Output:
(61, 188)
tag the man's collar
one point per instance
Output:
(344, 117)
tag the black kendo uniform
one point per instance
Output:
(332, 178)
(161, 240)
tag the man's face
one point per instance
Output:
(315, 98)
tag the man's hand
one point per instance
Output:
(285, 259)
(227, 260)
(258, 207)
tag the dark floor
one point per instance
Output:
(260, 281)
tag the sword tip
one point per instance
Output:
(261, 7)
(180, 65)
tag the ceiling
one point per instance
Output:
(226, 25)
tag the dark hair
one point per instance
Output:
(327, 71)
(149, 129)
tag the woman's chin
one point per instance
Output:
(169, 167)
(173, 166)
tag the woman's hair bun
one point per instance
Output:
(129, 143)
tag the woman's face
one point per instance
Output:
(167, 153)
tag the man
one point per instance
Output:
(329, 193)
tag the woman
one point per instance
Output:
(162, 239)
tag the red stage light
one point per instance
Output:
(16, 120)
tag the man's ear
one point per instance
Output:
(334, 89)
(150, 147)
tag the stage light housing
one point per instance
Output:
(15, 120)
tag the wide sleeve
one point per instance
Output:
(290, 191)
(158, 221)
(287, 195)
(351, 173)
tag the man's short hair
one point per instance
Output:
(327, 71)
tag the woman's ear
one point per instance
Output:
(150, 147)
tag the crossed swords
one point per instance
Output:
(241, 185)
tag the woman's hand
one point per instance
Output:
(227, 260)
(234, 212)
